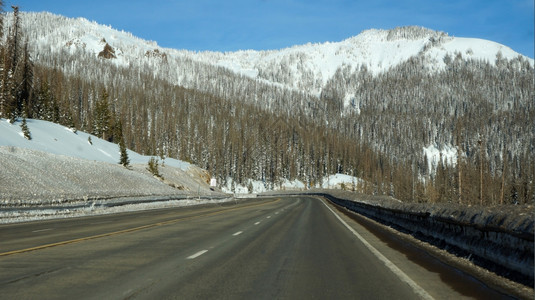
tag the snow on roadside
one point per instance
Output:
(339, 181)
(257, 187)
(16, 216)
(336, 181)
(293, 185)
(32, 177)
(261, 187)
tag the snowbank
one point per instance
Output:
(257, 187)
(336, 181)
(340, 181)
(25, 215)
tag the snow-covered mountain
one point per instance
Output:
(305, 68)
(377, 50)
(240, 114)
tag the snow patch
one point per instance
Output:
(257, 186)
(446, 153)
(293, 185)
(340, 181)
(336, 181)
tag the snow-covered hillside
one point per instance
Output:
(56, 139)
(305, 68)
(377, 50)
(58, 164)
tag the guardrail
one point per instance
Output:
(506, 252)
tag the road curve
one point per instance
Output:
(291, 248)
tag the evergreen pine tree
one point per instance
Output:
(26, 86)
(12, 81)
(125, 161)
(153, 167)
(102, 117)
(25, 129)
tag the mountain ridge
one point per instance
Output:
(305, 68)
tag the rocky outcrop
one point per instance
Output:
(108, 52)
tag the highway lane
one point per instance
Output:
(262, 249)
(32, 234)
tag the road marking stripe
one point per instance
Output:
(257, 223)
(404, 277)
(129, 230)
(197, 254)
(268, 217)
(41, 230)
(238, 233)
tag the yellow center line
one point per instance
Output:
(130, 229)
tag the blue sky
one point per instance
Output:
(230, 25)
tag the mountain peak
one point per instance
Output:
(413, 33)
(407, 33)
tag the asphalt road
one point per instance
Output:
(291, 248)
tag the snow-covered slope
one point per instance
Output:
(306, 68)
(56, 139)
(58, 164)
(59, 33)
(377, 50)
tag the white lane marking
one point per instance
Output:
(276, 212)
(268, 217)
(237, 233)
(257, 223)
(41, 230)
(197, 254)
(397, 271)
